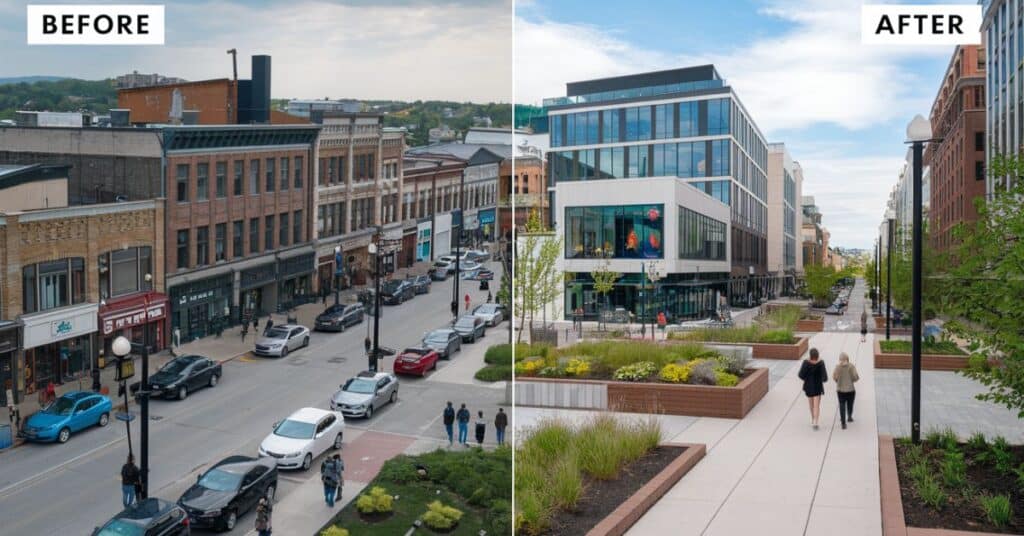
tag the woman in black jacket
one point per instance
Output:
(814, 374)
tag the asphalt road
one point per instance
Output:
(850, 319)
(52, 489)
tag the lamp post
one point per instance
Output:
(919, 131)
(121, 347)
(888, 273)
(337, 274)
(458, 244)
(654, 276)
(374, 248)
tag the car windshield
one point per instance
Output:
(333, 309)
(218, 480)
(465, 322)
(361, 386)
(437, 336)
(391, 286)
(295, 429)
(62, 406)
(120, 527)
(277, 333)
(175, 366)
(416, 351)
(487, 308)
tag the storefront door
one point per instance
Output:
(6, 376)
(199, 320)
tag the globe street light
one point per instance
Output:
(121, 347)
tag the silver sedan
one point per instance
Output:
(280, 340)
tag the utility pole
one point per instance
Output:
(458, 244)
(375, 354)
(888, 278)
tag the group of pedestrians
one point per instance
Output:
(450, 416)
(814, 374)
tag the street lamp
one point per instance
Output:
(121, 347)
(458, 244)
(888, 271)
(919, 131)
(374, 248)
(337, 274)
(654, 276)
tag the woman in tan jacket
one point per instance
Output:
(845, 375)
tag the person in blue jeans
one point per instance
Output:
(330, 475)
(129, 478)
(463, 417)
(449, 420)
(500, 423)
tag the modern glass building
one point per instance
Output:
(1002, 33)
(665, 167)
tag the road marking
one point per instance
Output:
(38, 476)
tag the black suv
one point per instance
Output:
(340, 316)
(229, 489)
(396, 292)
(150, 517)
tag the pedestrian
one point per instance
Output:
(177, 337)
(245, 330)
(51, 392)
(579, 319)
(255, 323)
(863, 325)
(463, 417)
(662, 321)
(481, 428)
(263, 517)
(845, 375)
(448, 415)
(96, 386)
(467, 301)
(129, 479)
(329, 476)
(323, 296)
(490, 297)
(500, 423)
(269, 324)
(367, 344)
(814, 375)
(340, 466)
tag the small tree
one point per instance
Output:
(537, 281)
(820, 280)
(604, 281)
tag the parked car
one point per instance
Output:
(470, 327)
(304, 435)
(396, 292)
(282, 339)
(468, 266)
(340, 316)
(478, 255)
(421, 284)
(445, 341)
(482, 274)
(182, 375)
(440, 271)
(71, 412)
(227, 490)
(492, 313)
(149, 517)
(416, 361)
(362, 395)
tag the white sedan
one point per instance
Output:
(304, 435)
(491, 313)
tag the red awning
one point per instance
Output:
(132, 310)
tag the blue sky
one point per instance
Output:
(798, 66)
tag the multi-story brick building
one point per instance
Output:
(75, 278)
(957, 162)
(430, 197)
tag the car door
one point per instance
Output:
(189, 375)
(322, 439)
(381, 396)
(249, 491)
(293, 339)
(80, 415)
(198, 373)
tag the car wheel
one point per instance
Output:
(337, 442)
(394, 397)
(182, 392)
(64, 435)
(271, 490)
(284, 351)
(369, 411)
(343, 325)
(230, 520)
(305, 342)
(104, 419)
(307, 461)
(213, 380)
(473, 339)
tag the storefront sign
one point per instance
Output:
(197, 297)
(64, 323)
(61, 328)
(134, 317)
(486, 216)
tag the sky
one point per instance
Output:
(456, 50)
(798, 66)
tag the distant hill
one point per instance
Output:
(425, 115)
(30, 79)
(61, 95)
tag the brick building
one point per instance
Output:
(957, 163)
(74, 279)
(431, 186)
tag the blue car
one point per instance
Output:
(73, 412)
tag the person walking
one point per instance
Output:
(481, 428)
(863, 325)
(466, 299)
(448, 416)
(255, 323)
(245, 330)
(845, 375)
(463, 417)
(269, 324)
(500, 423)
(329, 475)
(814, 375)
(129, 479)
(367, 344)
(263, 517)
(340, 465)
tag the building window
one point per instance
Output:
(254, 177)
(298, 172)
(620, 232)
(271, 175)
(979, 170)
(203, 245)
(183, 251)
(183, 180)
(239, 173)
(237, 239)
(700, 237)
(979, 137)
(283, 234)
(297, 227)
(124, 271)
(285, 177)
(254, 235)
(268, 233)
(202, 181)
(222, 179)
(53, 284)
(220, 242)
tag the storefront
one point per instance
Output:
(294, 275)
(407, 255)
(486, 218)
(59, 345)
(140, 317)
(198, 307)
(257, 290)
(423, 231)
(8, 356)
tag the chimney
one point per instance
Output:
(260, 101)
(120, 117)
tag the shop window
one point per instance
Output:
(53, 284)
(124, 271)
(298, 172)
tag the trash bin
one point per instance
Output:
(5, 436)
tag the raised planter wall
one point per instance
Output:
(771, 351)
(928, 361)
(630, 511)
(640, 397)
(810, 325)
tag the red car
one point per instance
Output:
(416, 361)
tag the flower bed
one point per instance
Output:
(934, 356)
(810, 324)
(943, 486)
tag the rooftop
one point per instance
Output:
(671, 81)
(15, 174)
(462, 151)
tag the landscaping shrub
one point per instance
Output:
(499, 517)
(378, 501)
(1000, 457)
(726, 379)
(736, 363)
(978, 362)
(494, 373)
(577, 367)
(523, 351)
(997, 509)
(530, 366)
(400, 470)
(674, 373)
(703, 373)
(954, 470)
(784, 317)
(441, 517)
(334, 530)
(927, 347)
(978, 442)
(930, 492)
(750, 334)
(635, 372)
(550, 372)
(499, 354)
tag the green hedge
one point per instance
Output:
(522, 351)
(751, 334)
(936, 347)
(499, 354)
(494, 373)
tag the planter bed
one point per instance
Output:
(645, 397)
(904, 514)
(772, 351)
(810, 325)
(628, 497)
(928, 361)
